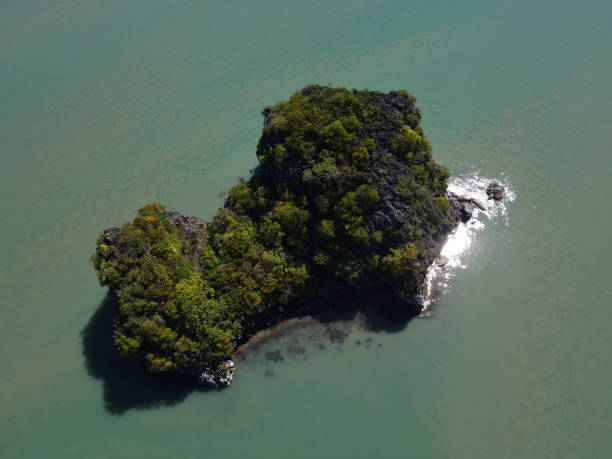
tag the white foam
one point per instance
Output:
(457, 246)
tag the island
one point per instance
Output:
(346, 197)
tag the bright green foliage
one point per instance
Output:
(346, 189)
(175, 315)
(401, 263)
(326, 229)
(361, 157)
(148, 264)
(247, 275)
(444, 204)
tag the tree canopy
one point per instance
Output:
(346, 190)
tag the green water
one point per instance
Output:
(108, 105)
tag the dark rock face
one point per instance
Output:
(400, 215)
(216, 377)
(193, 230)
(461, 209)
(110, 236)
(386, 243)
(187, 223)
(398, 211)
(495, 190)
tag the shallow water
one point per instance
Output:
(109, 105)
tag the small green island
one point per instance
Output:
(346, 197)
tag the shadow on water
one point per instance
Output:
(126, 383)
(382, 310)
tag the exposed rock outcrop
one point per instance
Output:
(495, 190)
(442, 261)
(217, 377)
(461, 207)
(193, 231)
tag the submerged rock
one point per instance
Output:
(274, 356)
(217, 377)
(296, 350)
(336, 335)
(495, 190)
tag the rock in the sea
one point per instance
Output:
(442, 260)
(217, 376)
(460, 207)
(495, 190)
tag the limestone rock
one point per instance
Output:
(495, 190)
(442, 260)
(217, 377)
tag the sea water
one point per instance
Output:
(106, 106)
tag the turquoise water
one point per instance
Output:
(109, 105)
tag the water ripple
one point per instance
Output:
(454, 252)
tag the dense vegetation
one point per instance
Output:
(346, 191)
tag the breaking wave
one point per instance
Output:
(454, 253)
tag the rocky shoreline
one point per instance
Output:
(346, 209)
(194, 229)
(217, 377)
